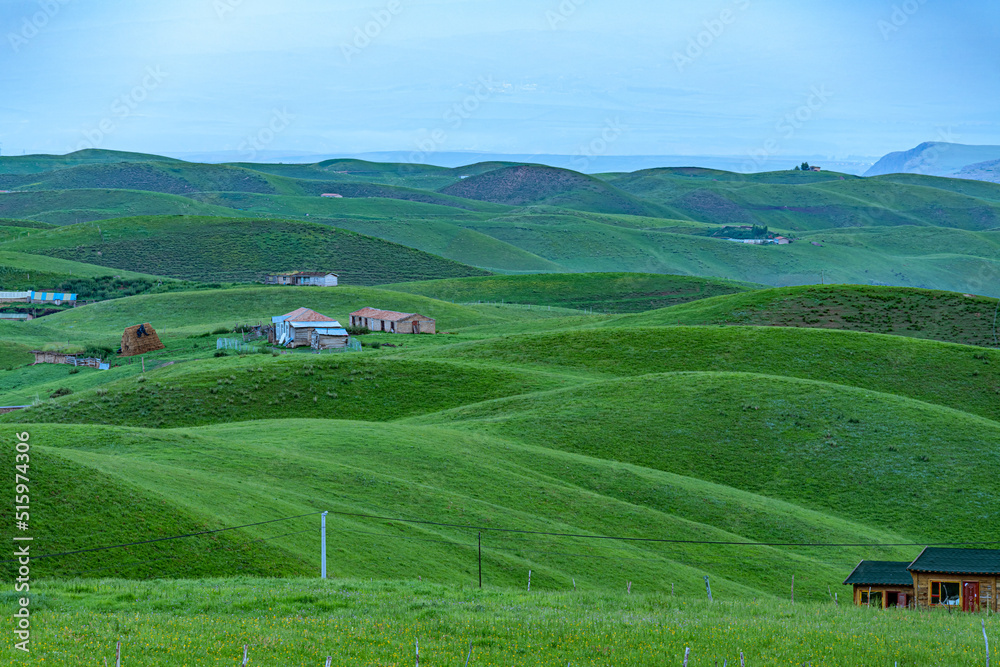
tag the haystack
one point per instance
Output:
(140, 339)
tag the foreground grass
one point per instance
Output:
(300, 622)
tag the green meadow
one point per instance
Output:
(302, 622)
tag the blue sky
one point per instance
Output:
(752, 78)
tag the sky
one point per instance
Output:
(759, 79)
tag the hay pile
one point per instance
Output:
(133, 343)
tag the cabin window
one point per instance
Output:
(948, 593)
(872, 599)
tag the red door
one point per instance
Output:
(970, 596)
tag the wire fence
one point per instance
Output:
(238, 345)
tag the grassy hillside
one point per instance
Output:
(606, 292)
(234, 249)
(36, 164)
(66, 207)
(198, 393)
(964, 378)
(403, 469)
(936, 315)
(21, 271)
(825, 447)
(895, 230)
(535, 184)
(179, 178)
(804, 201)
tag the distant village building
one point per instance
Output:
(965, 579)
(392, 322)
(303, 278)
(15, 297)
(54, 298)
(296, 329)
(332, 194)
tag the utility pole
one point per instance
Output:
(322, 550)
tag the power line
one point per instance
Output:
(163, 539)
(157, 560)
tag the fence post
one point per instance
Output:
(708, 587)
(245, 658)
(118, 654)
(480, 559)
(322, 550)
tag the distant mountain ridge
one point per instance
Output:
(938, 158)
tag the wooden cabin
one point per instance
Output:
(882, 584)
(392, 322)
(303, 278)
(329, 338)
(963, 579)
(295, 329)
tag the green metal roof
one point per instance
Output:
(881, 573)
(957, 561)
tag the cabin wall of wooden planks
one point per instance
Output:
(987, 587)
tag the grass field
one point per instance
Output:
(380, 623)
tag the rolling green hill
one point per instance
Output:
(37, 164)
(903, 230)
(21, 271)
(965, 378)
(824, 447)
(237, 249)
(944, 316)
(606, 292)
(67, 207)
(523, 185)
